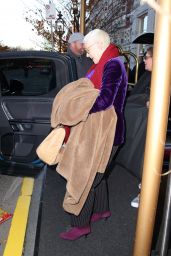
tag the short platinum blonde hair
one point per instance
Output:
(97, 35)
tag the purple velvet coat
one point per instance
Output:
(113, 93)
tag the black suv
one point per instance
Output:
(29, 82)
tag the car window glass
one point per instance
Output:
(27, 76)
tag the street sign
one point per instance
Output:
(50, 11)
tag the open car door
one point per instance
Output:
(29, 82)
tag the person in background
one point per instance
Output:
(144, 88)
(136, 113)
(143, 84)
(76, 51)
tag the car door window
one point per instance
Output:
(27, 76)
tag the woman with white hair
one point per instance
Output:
(109, 76)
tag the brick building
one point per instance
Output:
(124, 20)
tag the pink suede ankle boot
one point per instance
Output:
(75, 233)
(99, 216)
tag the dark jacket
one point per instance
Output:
(82, 63)
(131, 154)
(141, 70)
(143, 85)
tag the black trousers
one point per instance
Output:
(97, 200)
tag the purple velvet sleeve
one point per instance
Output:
(112, 76)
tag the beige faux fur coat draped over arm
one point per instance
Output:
(89, 146)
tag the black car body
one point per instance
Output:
(29, 81)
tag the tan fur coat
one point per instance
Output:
(89, 146)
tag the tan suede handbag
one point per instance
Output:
(49, 149)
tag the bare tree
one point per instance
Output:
(36, 17)
(3, 47)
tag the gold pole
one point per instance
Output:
(82, 16)
(156, 132)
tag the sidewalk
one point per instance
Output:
(9, 191)
(21, 197)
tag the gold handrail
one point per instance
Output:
(126, 54)
(136, 61)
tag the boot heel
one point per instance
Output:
(86, 236)
(75, 233)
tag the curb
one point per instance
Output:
(34, 219)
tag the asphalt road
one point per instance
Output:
(108, 238)
(47, 219)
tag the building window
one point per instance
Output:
(143, 23)
(142, 28)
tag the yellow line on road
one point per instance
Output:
(15, 242)
(27, 187)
